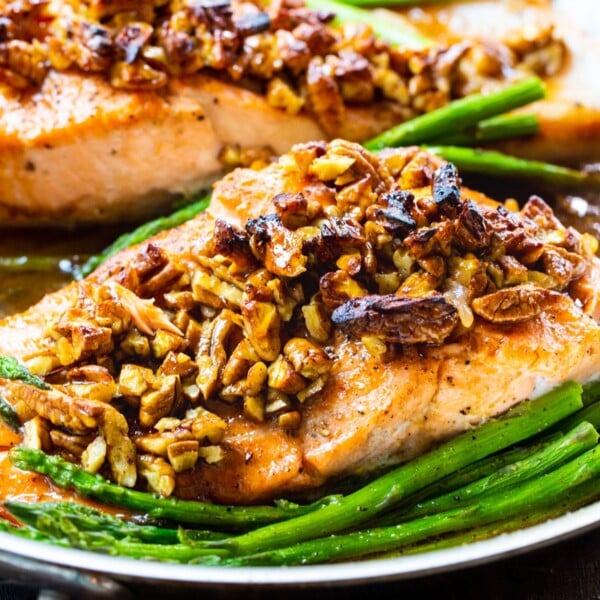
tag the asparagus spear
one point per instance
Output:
(583, 437)
(557, 487)
(391, 30)
(459, 115)
(591, 392)
(385, 492)
(589, 413)
(18, 264)
(491, 162)
(490, 130)
(143, 232)
(69, 476)
(583, 494)
(8, 415)
(11, 368)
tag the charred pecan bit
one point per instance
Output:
(514, 304)
(428, 320)
(7, 27)
(395, 216)
(433, 240)
(252, 24)
(473, 230)
(96, 49)
(232, 242)
(278, 247)
(337, 237)
(446, 190)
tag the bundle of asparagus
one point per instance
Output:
(537, 461)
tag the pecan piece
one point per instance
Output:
(395, 216)
(278, 247)
(446, 190)
(398, 319)
(338, 236)
(563, 265)
(325, 96)
(337, 287)
(514, 304)
(472, 228)
(233, 243)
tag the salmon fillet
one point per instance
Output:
(330, 314)
(145, 143)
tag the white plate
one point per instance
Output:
(344, 573)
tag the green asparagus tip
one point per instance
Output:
(11, 368)
(491, 162)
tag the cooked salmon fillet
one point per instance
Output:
(330, 314)
(79, 145)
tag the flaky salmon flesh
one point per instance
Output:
(330, 314)
(112, 122)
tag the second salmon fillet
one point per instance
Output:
(109, 111)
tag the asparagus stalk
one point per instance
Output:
(490, 130)
(387, 491)
(143, 232)
(20, 264)
(491, 162)
(8, 415)
(591, 392)
(67, 475)
(583, 437)
(557, 487)
(590, 413)
(482, 468)
(11, 368)
(389, 29)
(459, 115)
(583, 494)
